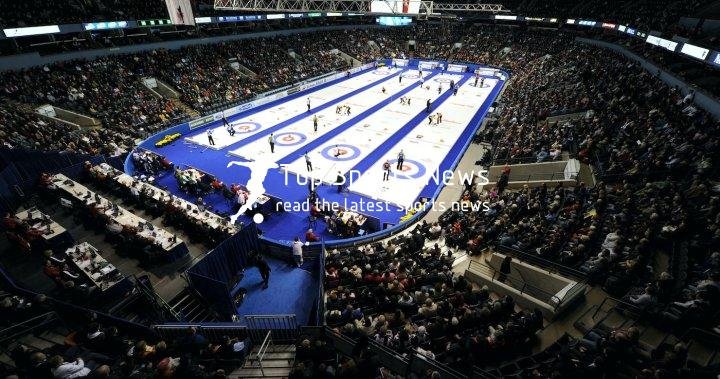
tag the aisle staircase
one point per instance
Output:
(277, 363)
(703, 346)
(190, 308)
(185, 108)
(267, 361)
(40, 333)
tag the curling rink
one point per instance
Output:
(254, 124)
(424, 148)
(387, 114)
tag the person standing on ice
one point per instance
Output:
(340, 181)
(271, 141)
(386, 171)
(211, 141)
(255, 188)
(400, 160)
(308, 163)
(308, 104)
(315, 122)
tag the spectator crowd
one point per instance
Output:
(655, 155)
(405, 296)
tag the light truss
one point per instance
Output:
(294, 5)
(491, 8)
(427, 8)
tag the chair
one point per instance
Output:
(67, 204)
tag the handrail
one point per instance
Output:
(599, 307)
(519, 273)
(285, 327)
(320, 310)
(376, 345)
(129, 324)
(637, 310)
(159, 301)
(263, 350)
(549, 176)
(541, 262)
(45, 318)
(526, 159)
(448, 372)
(402, 364)
(523, 287)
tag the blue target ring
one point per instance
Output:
(289, 138)
(379, 71)
(410, 76)
(442, 80)
(419, 174)
(245, 126)
(331, 151)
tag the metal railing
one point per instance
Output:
(420, 362)
(284, 327)
(509, 279)
(401, 364)
(72, 310)
(27, 326)
(214, 332)
(547, 176)
(263, 350)
(524, 287)
(160, 305)
(345, 345)
(621, 306)
(320, 310)
(547, 265)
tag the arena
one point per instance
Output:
(382, 189)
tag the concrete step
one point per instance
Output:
(53, 336)
(6, 360)
(265, 373)
(37, 343)
(701, 354)
(275, 349)
(272, 363)
(274, 356)
(651, 338)
(614, 320)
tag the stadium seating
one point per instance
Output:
(654, 195)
